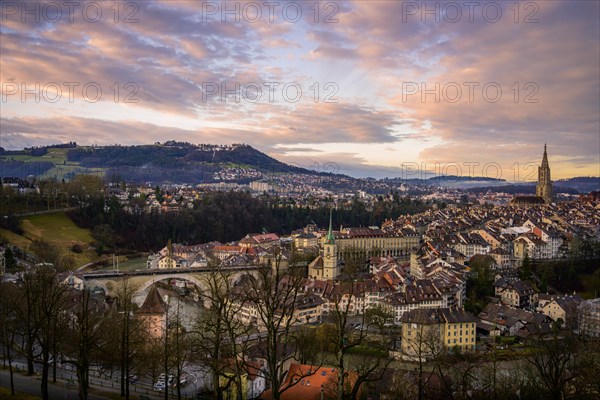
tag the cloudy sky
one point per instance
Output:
(377, 88)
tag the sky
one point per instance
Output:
(365, 88)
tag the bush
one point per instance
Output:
(508, 339)
(76, 248)
(12, 224)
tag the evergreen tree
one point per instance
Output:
(525, 271)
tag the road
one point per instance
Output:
(31, 385)
(56, 210)
(66, 386)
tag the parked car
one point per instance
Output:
(159, 385)
(170, 380)
(183, 379)
(133, 378)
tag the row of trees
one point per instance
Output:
(556, 365)
(276, 296)
(51, 194)
(46, 323)
(222, 216)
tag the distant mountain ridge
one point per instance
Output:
(178, 161)
(583, 184)
(182, 162)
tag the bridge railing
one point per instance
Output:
(167, 271)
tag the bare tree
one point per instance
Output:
(402, 386)
(219, 333)
(37, 305)
(8, 326)
(423, 342)
(367, 366)
(87, 322)
(130, 333)
(274, 295)
(586, 370)
(552, 360)
(305, 341)
(51, 303)
(28, 317)
(180, 343)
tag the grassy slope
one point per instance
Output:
(14, 239)
(55, 227)
(61, 166)
(58, 229)
(56, 156)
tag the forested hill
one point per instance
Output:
(583, 184)
(177, 161)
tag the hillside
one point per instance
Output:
(478, 184)
(169, 162)
(583, 184)
(42, 162)
(180, 162)
(57, 229)
(177, 162)
(568, 186)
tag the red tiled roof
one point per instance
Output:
(309, 382)
(227, 248)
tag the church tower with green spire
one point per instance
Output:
(544, 185)
(331, 268)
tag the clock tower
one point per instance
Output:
(331, 268)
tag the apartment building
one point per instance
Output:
(427, 332)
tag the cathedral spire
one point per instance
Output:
(545, 159)
(544, 186)
(330, 238)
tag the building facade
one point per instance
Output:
(428, 332)
(377, 242)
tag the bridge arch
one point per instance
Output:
(236, 277)
(107, 286)
(142, 280)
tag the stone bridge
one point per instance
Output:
(140, 280)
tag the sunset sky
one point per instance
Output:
(367, 60)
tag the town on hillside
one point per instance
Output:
(455, 298)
